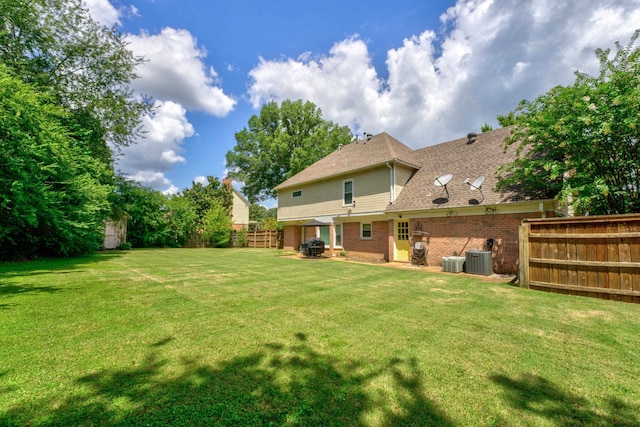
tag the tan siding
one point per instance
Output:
(324, 198)
(403, 174)
(240, 210)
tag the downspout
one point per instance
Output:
(392, 187)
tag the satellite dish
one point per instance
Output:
(476, 185)
(442, 181)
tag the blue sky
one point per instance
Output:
(423, 71)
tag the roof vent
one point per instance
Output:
(471, 137)
(367, 136)
(340, 149)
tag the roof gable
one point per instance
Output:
(463, 160)
(355, 156)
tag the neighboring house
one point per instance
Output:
(378, 197)
(239, 209)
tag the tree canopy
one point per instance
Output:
(57, 46)
(65, 101)
(204, 197)
(53, 196)
(581, 143)
(158, 220)
(280, 142)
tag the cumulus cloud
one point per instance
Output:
(152, 156)
(200, 179)
(175, 71)
(485, 59)
(103, 12)
(175, 75)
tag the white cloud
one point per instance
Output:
(489, 56)
(176, 76)
(175, 71)
(172, 190)
(103, 12)
(200, 179)
(150, 157)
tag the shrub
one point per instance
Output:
(242, 238)
(217, 226)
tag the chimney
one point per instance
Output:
(226, 181)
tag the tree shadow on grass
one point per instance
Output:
(540, 396)
(55, 265)
(278, 385)
(7, 289)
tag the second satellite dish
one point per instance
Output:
(476, 185)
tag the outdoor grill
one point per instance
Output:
(312, 247)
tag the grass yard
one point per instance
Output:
(251, 337)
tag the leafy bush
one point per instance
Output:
(53, 196)
(217, 226)
(242, 238)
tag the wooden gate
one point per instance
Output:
(595, 256)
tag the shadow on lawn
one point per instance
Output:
(7, 289)
(540, 396)
(55, 265)
(281, 384)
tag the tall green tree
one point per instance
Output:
(53, 200)
(581, 142)
(182, 218)
(153, 219)
(204, 196)
(57, 46)
(280, 142)
(257, 212)
(145, 210)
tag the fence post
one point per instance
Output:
(523, 240)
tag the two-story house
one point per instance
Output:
(376, 197)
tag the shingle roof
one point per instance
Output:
(354, 156)
(462, 160)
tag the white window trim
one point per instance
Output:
(293, 196)
(362, 224)
(352, 192)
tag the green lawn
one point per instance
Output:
(251, 337)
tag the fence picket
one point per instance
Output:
(595, 256)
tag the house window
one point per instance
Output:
(347, 193)
(297, 193)
(365, 230)
(403, 230)
(338, 235)
(324, 235)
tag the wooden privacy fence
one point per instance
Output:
(264, 239)
(595, 256)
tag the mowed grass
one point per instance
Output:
(252, 337)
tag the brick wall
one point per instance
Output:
(374, 249)
(447, 236)
(292, 236)
(451, 236)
